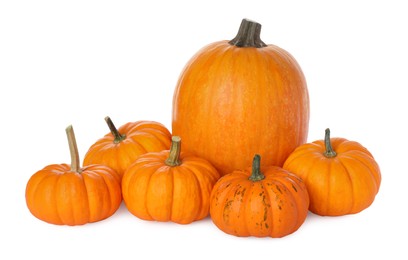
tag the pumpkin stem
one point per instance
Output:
(118, 137)
(256, 169)
(175, 149)
(329, 153)
(248, 35)
(73, 149)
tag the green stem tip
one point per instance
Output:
(118, 137)
(256, 174)
(329, 153)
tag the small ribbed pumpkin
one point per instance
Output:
(119, 148)
(253, 202)
(341, 176)
(169, 186)
(241, 95)
(65, 194)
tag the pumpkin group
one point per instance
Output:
(65, 194)
(241, 95)
(341, 176)
(119, 148)
(259, 201)
(232, 100)
(169, 186)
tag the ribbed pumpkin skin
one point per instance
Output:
(60, 196)
(344, 184)
(275, 206)
(251, 100)
(153, 190)
(141, 137)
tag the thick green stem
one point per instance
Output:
(175, 149)
(329, 153)
(256, 174)
(118, 136)
(73, 149)
(249, 35)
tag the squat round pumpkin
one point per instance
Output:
(169, 186)
(341, 176)
(119, 148)
(65, 194)
(272, 202)
(241, 95)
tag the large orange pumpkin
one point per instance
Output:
(65, 194)
(268, 201)
(341, 176)
(169, 186)
(119, 148)
(241, 97)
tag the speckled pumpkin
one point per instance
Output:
(272, 202)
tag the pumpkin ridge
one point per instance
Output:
(101, 175)
(246, 191)
(67, 205)
(47, 175)
(137, 144)
(297, 187)
(105, 158)
(128, 152)
(227, 207)
(329, 186)
(57, 211)
(199, 184)
(351, 183)
(198, 162)
(151, 173)
(156, 133)
(57, 205)
(373, 172)
(366, 174)
(172, 189)
(84, 178)
(313, 162)
(300, 153)
(106, 175)
(273, 193)
(267, 209)
(289, 195)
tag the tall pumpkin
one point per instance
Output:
(240, 97)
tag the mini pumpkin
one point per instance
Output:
(119, 148)
(253, 202)
(341, 176)
(169, 186)
(65, 194)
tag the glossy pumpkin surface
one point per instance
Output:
(272, 202)
(169, 186)
(241, 95)
(341, 176)
(65, 194)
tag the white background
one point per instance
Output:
(75, 62)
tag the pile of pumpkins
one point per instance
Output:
(237, 153)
